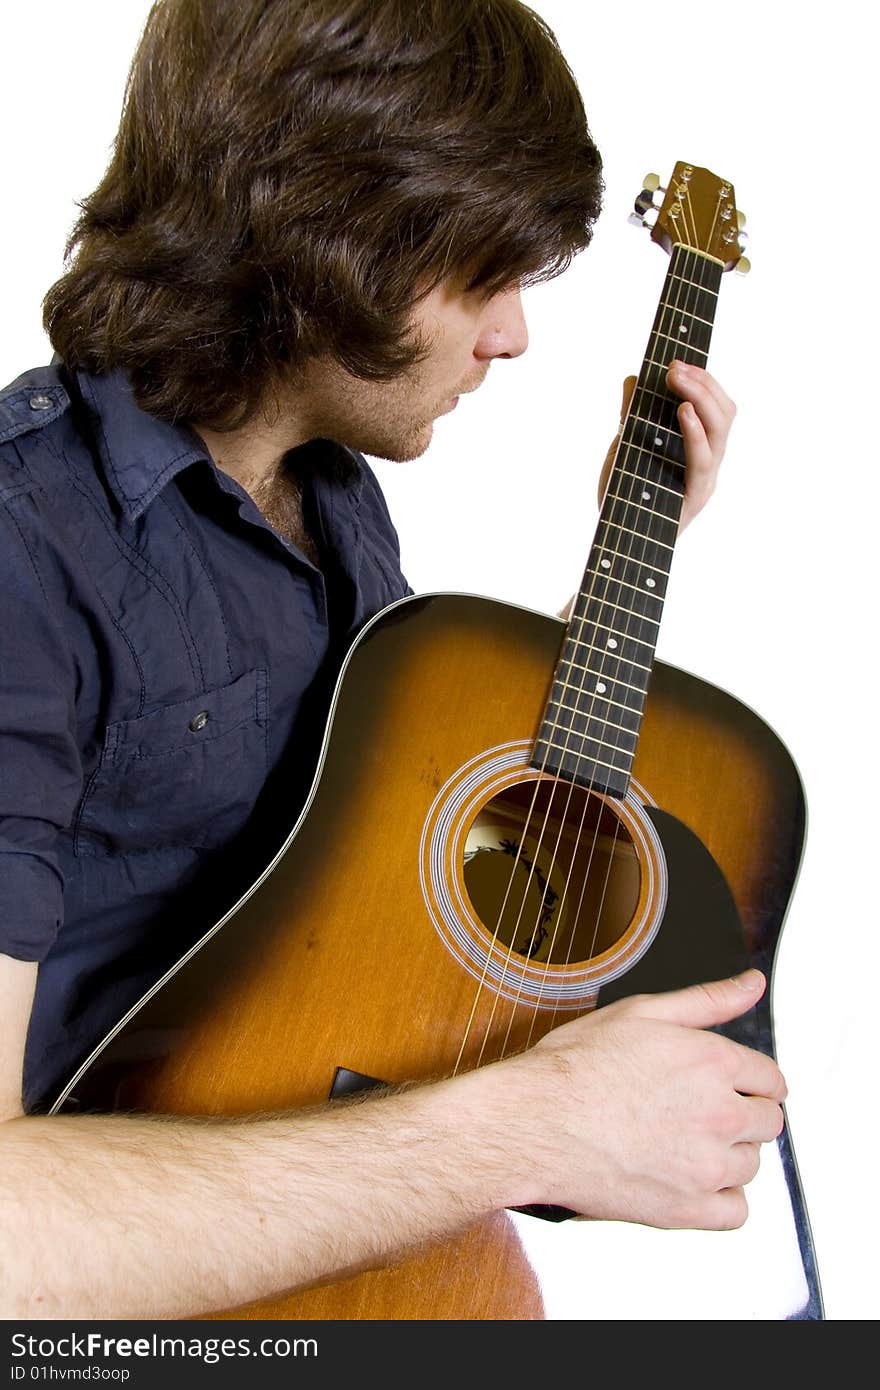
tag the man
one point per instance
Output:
(310, 242)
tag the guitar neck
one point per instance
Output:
(590, 729)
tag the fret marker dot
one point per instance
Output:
(606, 564)
(612, 642)
(646, 496)
(658, 440)
(682, 328)
(601, 688)
(650, 584)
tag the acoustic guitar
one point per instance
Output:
(514, 820)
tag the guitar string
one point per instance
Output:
(615, 660)
(590, 595)
(669, 311)
(538, 784)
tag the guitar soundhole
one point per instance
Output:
(552, 872)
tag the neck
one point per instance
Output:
(590, 729)
(253, 454)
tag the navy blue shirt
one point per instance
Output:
(167, 659)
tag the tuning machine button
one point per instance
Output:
(743, 266)
(648, 200)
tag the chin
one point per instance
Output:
(402, 450)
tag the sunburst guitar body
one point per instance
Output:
(515, 820)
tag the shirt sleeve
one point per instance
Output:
(40, 767)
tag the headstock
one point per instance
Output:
(697, 210)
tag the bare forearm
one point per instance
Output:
(129, 1216)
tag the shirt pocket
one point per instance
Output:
(187, 774)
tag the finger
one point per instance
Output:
(629, 385)
(756, 1074)
(725, 1211)
(745, 1160)
(760, 1120)
(704, 1005)
(715, 410)
(701, 460)
(686, 376)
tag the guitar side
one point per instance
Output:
(251, 1020)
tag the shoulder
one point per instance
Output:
(31, 405)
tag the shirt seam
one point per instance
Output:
(139, 563)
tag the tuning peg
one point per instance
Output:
(742, 240)
(740, 220)
(643, 219)
(743, 266)
(652, 183)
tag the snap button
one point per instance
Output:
(41, 402)
(199, 721)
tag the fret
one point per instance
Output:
(652, 482)
(612, 748)
(626, 693)
(661, 395)
(658, 459)
(663, 415)
(612, 781)
(572, 753)
(624, 636)
(635, 711)
(674, 308)
(652, 437)
(694, 284)
(683, 279)
(649, 511)
(678, 343)
(604, 601)
(604, 723)
(672, 318)
(649, 540)
(605, 654)
(612, 655)
(642, 564)
(576, 685)
(603, 678)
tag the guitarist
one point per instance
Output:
(309, 243)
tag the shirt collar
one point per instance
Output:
(141, 453)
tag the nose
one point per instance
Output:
(503, 331)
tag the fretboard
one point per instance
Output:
(591, 723)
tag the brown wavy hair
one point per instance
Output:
(290, 175)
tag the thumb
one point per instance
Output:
(702, 1006)
(629, 385)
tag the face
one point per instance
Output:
(464, 330)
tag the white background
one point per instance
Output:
(770, 591)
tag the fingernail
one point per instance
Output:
(748, 981)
